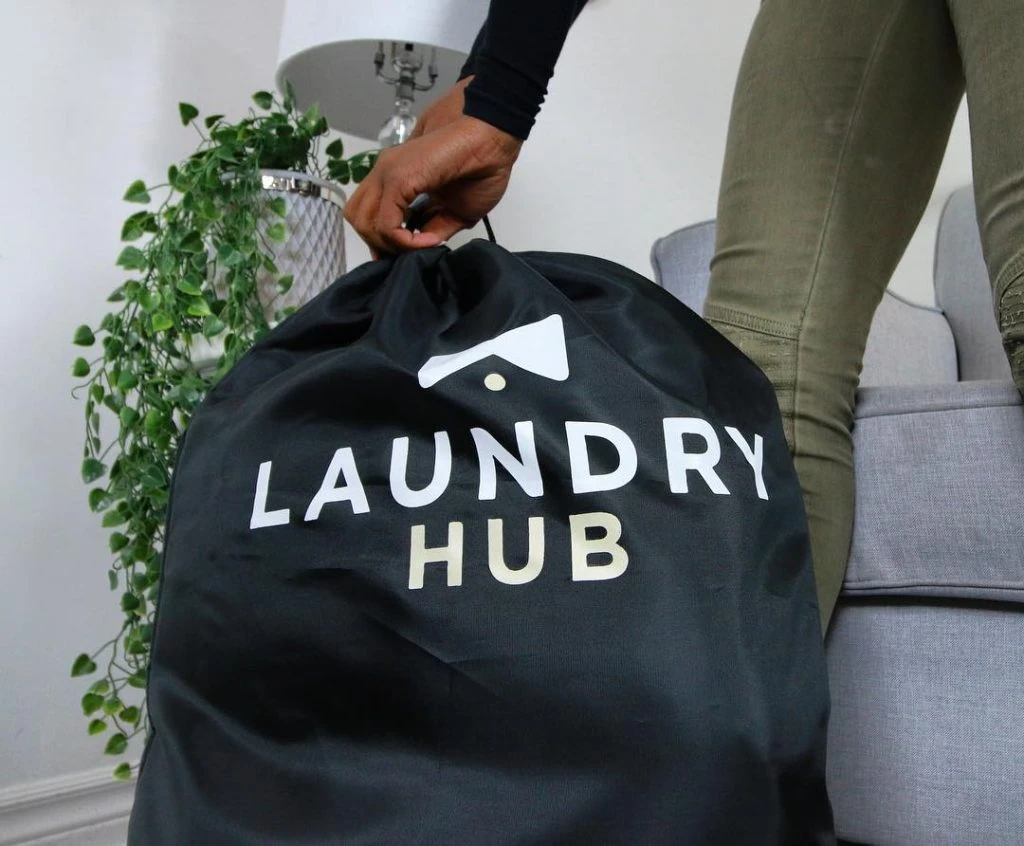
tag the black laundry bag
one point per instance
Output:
(483, 548)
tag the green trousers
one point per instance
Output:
(841, 116)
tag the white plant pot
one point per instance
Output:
(313, 253)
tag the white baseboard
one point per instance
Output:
(67, 810)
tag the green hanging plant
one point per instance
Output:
(193, 260)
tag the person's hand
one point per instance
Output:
(464, 165)
(444, 110)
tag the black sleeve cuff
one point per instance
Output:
(513, 58)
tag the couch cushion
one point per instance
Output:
(925, 736)
(940, 498)
(964, 293)
(908, 344)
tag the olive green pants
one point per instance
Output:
(841, 117)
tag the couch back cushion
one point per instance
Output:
(908, 344)
(964, 293)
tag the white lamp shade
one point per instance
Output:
(327, 49)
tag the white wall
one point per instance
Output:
(90, 104)
(628, 148)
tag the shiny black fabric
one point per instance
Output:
(670, 689)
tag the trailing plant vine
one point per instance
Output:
(194, 259)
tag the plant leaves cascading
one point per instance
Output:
(214, 222)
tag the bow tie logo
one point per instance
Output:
(536, 347)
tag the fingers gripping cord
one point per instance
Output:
(416, 216)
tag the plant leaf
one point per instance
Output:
(187, 112)
(92, 469)
(126, 381)
(149, 300)
(192, 243)
(98, 499)
(91, 703)
(102, 687)
(339, 171)
(129, 602)
(263, 99)
(229, 256)
(84, 336)
(132, 230)
(284, 284)
(112, 519)
(97, 727)
(123, 772)
(211, 120)
(278, 206)
(154, 421)
(116, 745)
(128, 416)
(112, 578)
(80, 368)
(131, 258)
(335, 149)
(112, 706)
(161, 322)
(118, 542)
(131, 714)
(137, 192)
(199, 308)
(83, 666)
(138, 680)
(212, 326)
(277, 232)
(312, 116)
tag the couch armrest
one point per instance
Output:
(940, 497)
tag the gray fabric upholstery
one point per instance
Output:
(926, 740)
(926, 651)
(681, 263)
(963, 291)
(940, 494)
(908, 344)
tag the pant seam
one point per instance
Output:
(840, 164)
(741, 320)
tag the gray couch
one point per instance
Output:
(926, 652)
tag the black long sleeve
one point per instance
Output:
(513, 59)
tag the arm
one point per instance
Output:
(513, 60)
(465, 145)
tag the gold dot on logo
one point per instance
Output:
(495, 382)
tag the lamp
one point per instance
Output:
(337, 53)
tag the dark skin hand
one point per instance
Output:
(463, 163)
